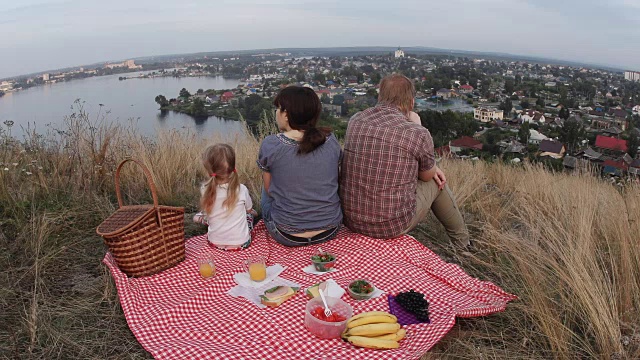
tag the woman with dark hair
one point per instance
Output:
(300, 203)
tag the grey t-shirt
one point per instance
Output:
(304, 187)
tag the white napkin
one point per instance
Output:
(333, 289)
(312, 270)
(243, 279)
(253, 293)
(376, 293)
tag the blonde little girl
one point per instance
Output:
(225, 203)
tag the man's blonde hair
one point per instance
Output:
(397, 90)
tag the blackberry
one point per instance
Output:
(415, 303)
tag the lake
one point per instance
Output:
(46, 106)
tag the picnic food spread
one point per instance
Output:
(415, 303)
(195, 320)
(361, 289)
(374, 330)
(328, 325)
(275, 296)
(312, 292)
(323, 261)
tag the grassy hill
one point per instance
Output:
(567, 245)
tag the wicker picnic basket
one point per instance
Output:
(144, 239)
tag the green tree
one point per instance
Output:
(320, 78)
(509, 86)
(564, 113)
(506, 106)
(540, 102)
(184, 93)
(524, 104)
(375, 78)
(325, 99)
(162, 101)
(524, 133)
(197, 108)
(518, 79)
(200, 91)
(571, 133)
(447, 125)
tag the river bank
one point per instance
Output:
(127, 103)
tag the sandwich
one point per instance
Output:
(277, 295)
(312, 292)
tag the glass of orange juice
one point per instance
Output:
(206, 266)
(257, 268)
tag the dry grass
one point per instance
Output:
(567, 245)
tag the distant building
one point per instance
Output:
(532, 116)
(611, 144)
(552, 149)
(465, 142)
(6, 86)
(632, 75)
(443, 93)
(465, 89)
(535, 137)
(399, 53)
(45, 77)
(131, 64)
(487, 114)
(227, 96)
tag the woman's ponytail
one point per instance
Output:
(312, 138)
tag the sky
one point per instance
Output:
(39, 35)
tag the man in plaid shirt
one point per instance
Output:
(389, 179)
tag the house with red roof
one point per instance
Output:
(325, 92)
(443, 151)
(226, 96)
(465, 142)
(611, 144)
(465, 89)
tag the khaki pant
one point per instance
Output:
(444, 207)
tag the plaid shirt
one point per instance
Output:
(383, 153)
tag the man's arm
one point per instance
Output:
(434, 173)
(427, 175)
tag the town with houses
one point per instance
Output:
(572, 118)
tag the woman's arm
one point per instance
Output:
(266, 180)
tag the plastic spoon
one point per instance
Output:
(327, 311)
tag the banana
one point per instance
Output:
(399, 335)
(373, 319)
(374, 329)
(370, 313)
(373, 343)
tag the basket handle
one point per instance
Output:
(147, 174)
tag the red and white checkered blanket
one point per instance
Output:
(179, 315)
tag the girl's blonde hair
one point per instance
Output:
(220, 162)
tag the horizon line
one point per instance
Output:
(533, 58)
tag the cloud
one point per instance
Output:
(53, 34)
